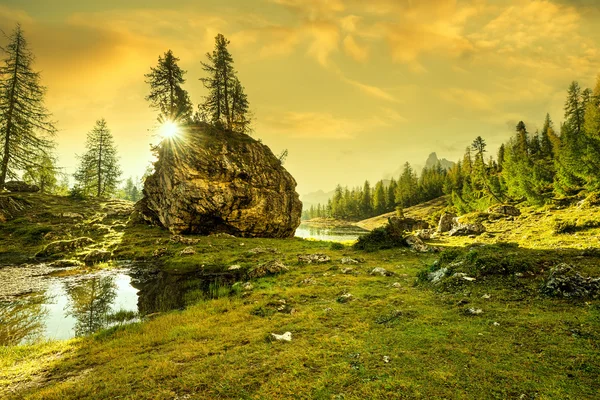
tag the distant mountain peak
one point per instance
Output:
(433, 159)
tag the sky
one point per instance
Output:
(352, 88)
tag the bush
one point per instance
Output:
(336, 246)
(380, 238)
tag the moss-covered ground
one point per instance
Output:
(396, 337)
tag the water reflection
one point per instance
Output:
(83, 304)
(165, 291)
(22, 319)
(90, 303)
(331, 234)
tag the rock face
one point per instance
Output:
(212, 181)
(446, 222)
(20, 186)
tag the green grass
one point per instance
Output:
(523, 344)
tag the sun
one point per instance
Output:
(169, 130)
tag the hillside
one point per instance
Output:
(427, 211)
(356, 332)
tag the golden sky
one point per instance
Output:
(353, 88)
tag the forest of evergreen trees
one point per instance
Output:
(529, 167)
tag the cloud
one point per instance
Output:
(372, 91)
(325, 38)
(354, 50)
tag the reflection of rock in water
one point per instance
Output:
(22, 319)
(90, 303)
(164, 292)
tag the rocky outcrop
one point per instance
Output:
(446, 222)
(210, 181)
(11, 207)
(564, 281)
(406, 224)
(467, 229)
(20, 186)
(505, 210)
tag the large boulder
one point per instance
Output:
(20, 186)
(209, 181)
(447, 220)
(459, 229)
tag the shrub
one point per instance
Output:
(380, 238)
(336, 246)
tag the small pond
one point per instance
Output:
(40, 303)
(330, 234)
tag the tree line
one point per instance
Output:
(27, 131)
(386, 196)
(535, 168)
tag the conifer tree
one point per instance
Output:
(391, 195)
(25, 126)
(99, 171)
(166, 94)
(226, 104)
(379, 199)
(42, 173)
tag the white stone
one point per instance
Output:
(286, 337)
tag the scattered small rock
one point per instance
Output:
(386, 359)
(159, 252)
(486, 296)
(396, 285)
(467, 229)
(184, 240)
(221, 235)
(234, 267)
(309, 281)
(505, 210)
(415, 243)
(314, 258)
(269, 268)
(424, 234)
(348, 260)
(437, 275)
(328, 309)
(381, 271)
(286, 337)
(247, 286)
(348, 270)
(464, 276)
(496, 323)
(188, 251)
(473, 311)
(263, 250)
(345, 298)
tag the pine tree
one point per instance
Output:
(569, 157)
(591, 129)
(43, 173)
(379, 199)
(25, 126)
(166, 94)
(226, 104)
(391, 195)
(99, 171)
(366, 201)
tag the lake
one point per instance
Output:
(330, 234)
